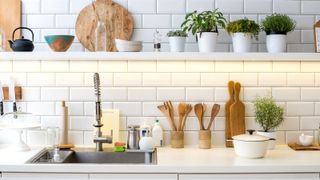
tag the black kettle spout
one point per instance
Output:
(10, 42)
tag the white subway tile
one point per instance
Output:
(177, 20)
(199, 66)
(286, 94)
(307, 36)
(218, 139)
(69, 79)
(300, 79)
(151, 109)
(156, 79)
(286, 66)
(310, 94)
(156, 21)
(30, 6)
(113, 66)
(54, 94)
(142, 6)
(221, 94)
(19, 78)
(294, 36)
(257, 66)
(214, 79)
(142, 94)
(249, 109)
(192, 123)
(137, 21)
(303, 48)
(272, 79)
(106, 79)
(191, 138)
(36, 137)
(66, 21)
(127, 79)
(50, 121)
(88, 139)
(293, 136)
(41, 21)
(82, 94)
(254, 6)
(74, 108)
(31, 94)
(41, 108)
(303, 21)
(228, 66)
(77, 5)
(251, 123)
(232, 6)
(129, 108)
(54, 66)
(171, 6)
(41, 79)
(173, 94)
(145, 35)
(5, 66)
(310, 66)
(309, 122)
(223, 37)
(300, 109)
(199, 94)
(250, 94)
(289, 124)
(26, 66)
(186, 79)
(204, 5)
(245, 79)
(114, 94)
(83, 66)
(83, 123)
(282, 6)
(142, 66)
(171, 66)
(317, 108)
(75, 137)
(56, 6)
(310, 7)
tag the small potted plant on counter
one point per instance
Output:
(269, 116)
(276, 27)
(242, 31)
(177, 40)
(205, 25)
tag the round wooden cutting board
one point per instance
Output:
(119, 23)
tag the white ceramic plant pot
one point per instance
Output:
(177, 44)
(272, 135)
(207, 41)
(276, 43)
(241, 42)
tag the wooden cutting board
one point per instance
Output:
(298, 147)
(111, 122)
(227, 114)
(10, 18)
(119, 23)
(237, 113)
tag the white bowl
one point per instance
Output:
(305, 140)
(125, 42)
(128, 46)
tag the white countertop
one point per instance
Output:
(187, 160)
(183, 56)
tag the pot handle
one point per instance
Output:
(22, 28)
(251, 131)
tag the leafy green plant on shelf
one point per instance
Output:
(177, 33)
(244, 25)
(278, 24)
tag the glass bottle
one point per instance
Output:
(2, 40)
(101, 37)
(157, 41)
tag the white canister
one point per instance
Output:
(177, 44)
(276, 43)
(241, 42)
(207, 41)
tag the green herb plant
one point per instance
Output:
(268, 114)
(177, 33)
(244, 26)
(278, 24)
(206, 21)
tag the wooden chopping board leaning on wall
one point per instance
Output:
(10, 18)
(118, 21)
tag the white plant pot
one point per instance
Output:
(241, 42)
(207, 41)
(276, 43)
(271, 134)
(177, 44)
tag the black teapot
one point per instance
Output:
(21, 44)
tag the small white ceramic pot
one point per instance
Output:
(241, 42)
(276, 43)
(272, 135)
(207, 41)
(250, 146)
(177, 44)
(305, 140)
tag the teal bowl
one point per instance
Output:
(59, 43)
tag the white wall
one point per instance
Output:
(59, 16)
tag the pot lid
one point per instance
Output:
(250, 137)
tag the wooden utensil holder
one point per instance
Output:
(204, 139)
(177, 139)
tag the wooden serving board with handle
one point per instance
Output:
(227, 114)
(118, 21)
(10, 18)
(237, 113)
(298, 147)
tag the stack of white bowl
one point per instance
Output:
(128, 46)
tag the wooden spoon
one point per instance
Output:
(198, 109)
(215, 110)
(187, 111)
(165, 111)
(182, 110)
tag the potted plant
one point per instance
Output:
(269, 116)
(276, 27)
(177, 40)
(205, 26)
(242, 31)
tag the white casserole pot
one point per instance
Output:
(250, 146)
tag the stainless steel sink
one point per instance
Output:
(91, 156)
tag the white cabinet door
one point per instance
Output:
(133, 177)
(307, 176)
(43, 176)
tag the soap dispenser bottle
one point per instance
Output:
(146, 143)
(157, 134)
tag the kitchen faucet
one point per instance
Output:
(99, 139)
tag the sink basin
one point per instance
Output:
(93, 157)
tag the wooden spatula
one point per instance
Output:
(165, 111)
(182, 110)
(198, 109)
(215, 110)
(227, 114)
(188, 110)
(237, 113)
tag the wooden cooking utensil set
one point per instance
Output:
(177, 133)
(234, 113)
